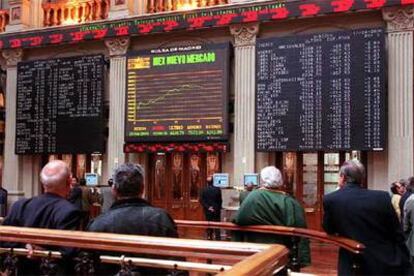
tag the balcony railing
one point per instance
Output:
(156, 6)
(4, 19)
(73, 12)
(228, 258)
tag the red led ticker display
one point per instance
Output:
(208, 18)
(177, 147)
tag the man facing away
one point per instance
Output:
(269, 205)
(50, 210)
(211, 201)
(3, 202)
(366, 216)
(131, 214)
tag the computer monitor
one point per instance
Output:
(221, 180)
(252, 178)
(91, 179)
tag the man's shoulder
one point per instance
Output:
(19, 203)
(136, 214)
(376, 195)
(146, 211)
(59, 204)
(349, 194)
(334, 196)
(152, 211)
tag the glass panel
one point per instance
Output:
(289, 171)
(80, 166)
(177, 176)
(355, 154)
(67, 158)
(195, 176)
(96, 162)
(53, 157)
(159, 177)
(212, 163)
(331, 170)
(310, 178)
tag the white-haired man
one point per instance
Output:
(49, 210)
(269, 205)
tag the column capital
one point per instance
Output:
(117, 46)
(244, 34)
(12, 56)
(399, 18)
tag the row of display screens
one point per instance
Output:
(181, 94)
(222, 180)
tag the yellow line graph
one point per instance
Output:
(177, 119)
(168, 93)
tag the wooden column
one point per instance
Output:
(244, 121)
(117, 85)
(400, 26)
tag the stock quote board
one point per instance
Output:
(59, 107)
(323, 91)
(177, 94)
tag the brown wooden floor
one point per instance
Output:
(324, 259)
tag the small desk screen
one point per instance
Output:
(221, 180)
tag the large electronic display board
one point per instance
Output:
(177, 94)
(59, 106)
(323, 91)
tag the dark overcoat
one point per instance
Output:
(367, 216)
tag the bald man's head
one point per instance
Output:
(55, 178)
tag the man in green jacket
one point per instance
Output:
(271, 206)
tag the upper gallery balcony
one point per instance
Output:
(66, 12)
(69, 12)
(157, 6)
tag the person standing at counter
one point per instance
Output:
(211, 201)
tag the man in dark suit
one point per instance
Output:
(3, 202)
(368, 217)
(211, 200)
(50, 210)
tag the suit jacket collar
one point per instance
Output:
(352, 185)
(129, 202)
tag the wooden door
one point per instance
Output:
(158, 190)
(175, 182)
(311, 188)
(310, 176)
(302, 179)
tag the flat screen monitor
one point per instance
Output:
(221, 180)
(251, 178)
(91, 179)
